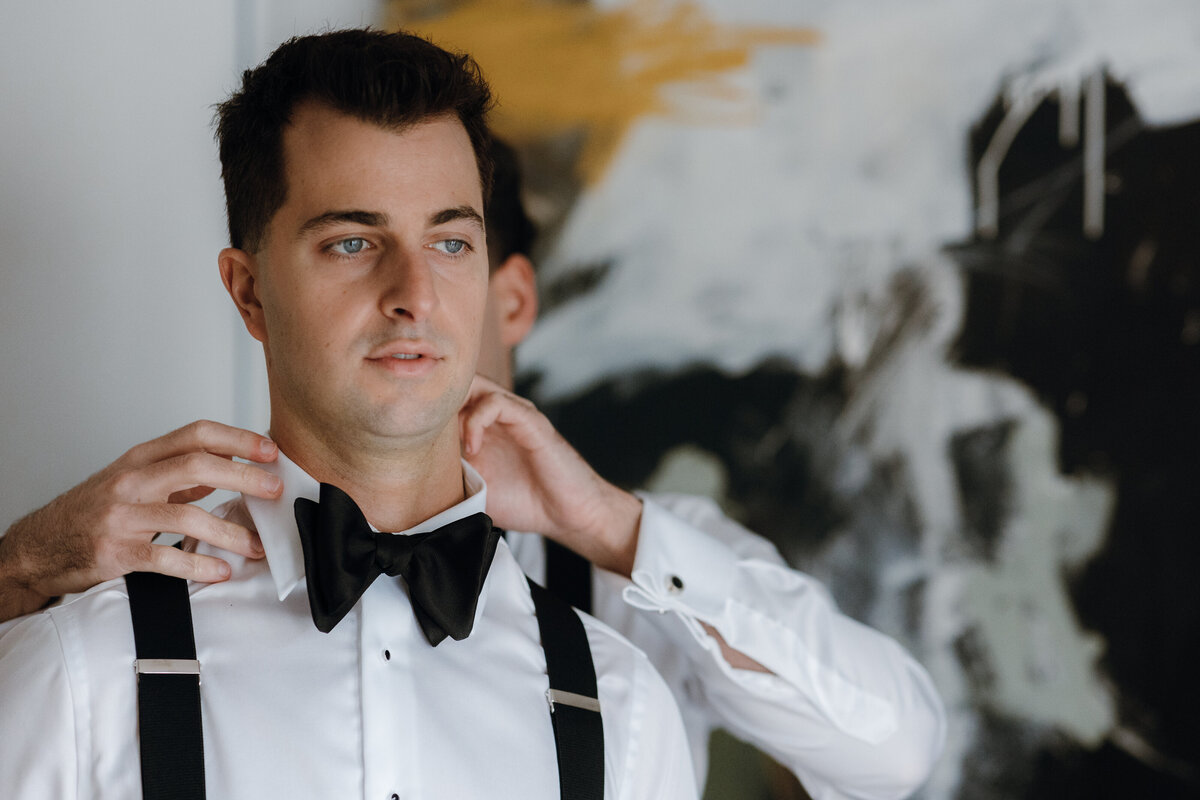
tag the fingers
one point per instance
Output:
(124, 531)
(201, 525)
(489, 404)
(203, 436)
(475, 418)
(190, 566)
(191, 474)
(129, 547)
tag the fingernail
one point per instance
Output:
(266, 447)
(223, 570)
(271, 484)
(256, 544)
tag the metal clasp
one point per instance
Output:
(559, 697)
(166, 666)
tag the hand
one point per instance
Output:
(104, 527)
(538, 483)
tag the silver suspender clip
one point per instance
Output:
(559, 697)
(166, 666)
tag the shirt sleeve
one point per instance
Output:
(846, 709)
(37, 723)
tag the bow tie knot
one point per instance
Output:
(444, 569)
(393, 553)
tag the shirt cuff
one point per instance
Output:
(677, 569)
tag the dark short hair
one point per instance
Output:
(509, 228)
(394, 80)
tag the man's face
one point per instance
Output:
(372, 279)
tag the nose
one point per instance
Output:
(408, 287)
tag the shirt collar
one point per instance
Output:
(275, 520)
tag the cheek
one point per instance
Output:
(482, 321)
(467, 302)
(301, 325)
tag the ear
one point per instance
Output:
(513, 288)
(238, 273)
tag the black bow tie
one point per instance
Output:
(444, 569)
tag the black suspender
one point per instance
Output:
(172, 741)
(168, 675)
(574, 703)
(568, 575)
(578, 733)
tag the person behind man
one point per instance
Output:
(356, 170)
(745, 642)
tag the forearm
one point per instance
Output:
(17, 593)
(844, 705)
(831, 763)
(609, 540)
(17, 600)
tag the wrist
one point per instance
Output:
(17, 594)
(618, 534)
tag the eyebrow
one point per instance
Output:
(376, 219)
(452, 214)
(373, 219)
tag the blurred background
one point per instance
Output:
(911, 289)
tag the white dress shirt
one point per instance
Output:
(847, 710)
(370, 710)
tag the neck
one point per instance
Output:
(397, 485)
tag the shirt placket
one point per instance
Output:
(390, 742)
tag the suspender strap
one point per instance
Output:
(569, 575)
(168, 674)
(170, 731)
(574, 703)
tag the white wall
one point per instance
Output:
(113, 322)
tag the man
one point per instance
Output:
(875, 735)
(355, 167)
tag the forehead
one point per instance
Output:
(332, 160)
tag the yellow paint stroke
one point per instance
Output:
(560, 67)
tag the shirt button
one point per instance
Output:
(674, 584)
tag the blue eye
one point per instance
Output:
(350, 247)
(451, 246)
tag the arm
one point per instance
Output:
(103, 528)
(843, 706)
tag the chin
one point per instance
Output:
(407, 426)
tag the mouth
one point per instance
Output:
(405, 357)
(408, 359)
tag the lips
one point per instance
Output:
(405, 358)
(404, 350)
